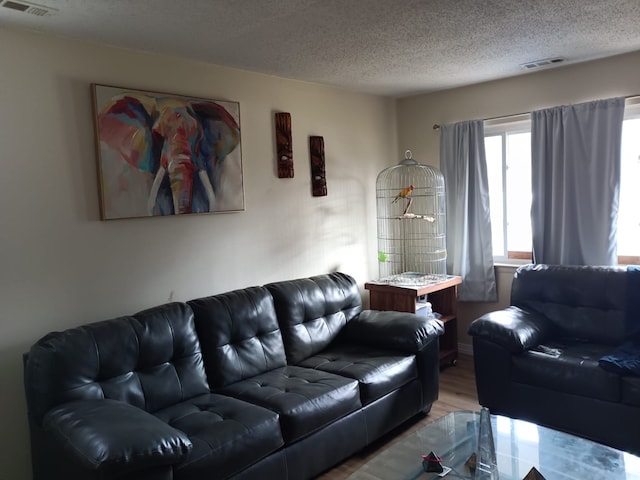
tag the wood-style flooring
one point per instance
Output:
(457, 392)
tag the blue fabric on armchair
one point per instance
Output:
(624, 360)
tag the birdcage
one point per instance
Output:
(410, 203)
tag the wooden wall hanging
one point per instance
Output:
(318, 174)
(284, 145)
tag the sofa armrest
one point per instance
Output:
(114, 437)
(513, 328)
(402, 331)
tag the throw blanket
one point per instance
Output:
(626, 358)
(632, 308)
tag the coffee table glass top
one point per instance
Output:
(519, 445)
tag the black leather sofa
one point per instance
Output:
(545, 358)
(280, 381)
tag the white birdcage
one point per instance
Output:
(411, 213)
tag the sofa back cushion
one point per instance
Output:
(150, 360)
(583, 302)
(239, 334)
(312, 311)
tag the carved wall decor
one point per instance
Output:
(284, 145)
(318, 174)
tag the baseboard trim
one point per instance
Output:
(465, 349)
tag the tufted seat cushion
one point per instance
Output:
(377, 371)
(574, 371)
(227, 434)
(305, 399)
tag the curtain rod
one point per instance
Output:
(437, 126)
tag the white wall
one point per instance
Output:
(62, 266)
(614, 76)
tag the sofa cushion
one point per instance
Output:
(150, 360)
(400, 331)
(377, 371)
(624, 360)
(313, 311)
(113, 437)
(584, 302)
(513, 328)
(305, 399)
(227, 434)
(239, 335)
(570, 367)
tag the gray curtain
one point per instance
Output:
(575, 176)
(469, 250)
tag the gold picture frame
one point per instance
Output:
(162, 154)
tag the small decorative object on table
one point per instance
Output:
(486, 461)
(471, 463)
(533, 474)
(432, 463)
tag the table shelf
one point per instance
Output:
(443, 297)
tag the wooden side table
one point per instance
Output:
(443, 297)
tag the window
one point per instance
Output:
(508, 153)
(629, 206)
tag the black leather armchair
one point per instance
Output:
(281, 381)
(540, 358)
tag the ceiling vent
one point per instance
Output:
(28, 7)
(541, 63)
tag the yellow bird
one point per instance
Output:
(404, 193)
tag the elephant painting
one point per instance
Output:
(167, 155)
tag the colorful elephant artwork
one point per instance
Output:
(165, 155)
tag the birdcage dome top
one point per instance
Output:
(408, 171)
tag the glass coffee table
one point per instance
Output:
(519, 445)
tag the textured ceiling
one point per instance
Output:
(386, 47)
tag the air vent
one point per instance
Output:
(28, 7)
(542, 63)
